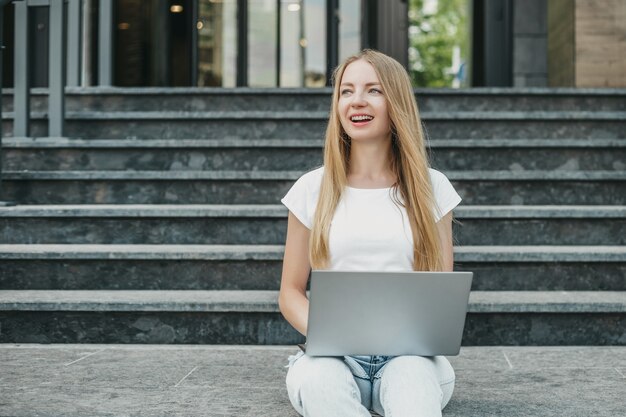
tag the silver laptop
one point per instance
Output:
(387, 313)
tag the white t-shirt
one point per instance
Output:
(369, 231)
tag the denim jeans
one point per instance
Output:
(396, 386)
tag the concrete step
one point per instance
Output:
(268, 187)
(243, 380)
(252, 317)
(266, 224)
(312, 124)
(258, 267)
(292, 154)
(318, 99)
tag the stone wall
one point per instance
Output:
(600, 43)
(587, 43)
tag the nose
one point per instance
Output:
(358, 99)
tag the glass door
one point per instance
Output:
(202, 42)
(217, 43)
(303, 43)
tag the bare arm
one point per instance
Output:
(445, 233)
(292, 300)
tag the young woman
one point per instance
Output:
(375, 205)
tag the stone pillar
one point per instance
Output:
(586, 43)
(530, 43)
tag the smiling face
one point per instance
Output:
(362, 105)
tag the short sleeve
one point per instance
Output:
(446, 197)
(301, 199)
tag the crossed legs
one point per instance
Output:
(407, 386)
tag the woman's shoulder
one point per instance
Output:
(442, 188)
(315, 172)
(436, 176)
(445, 195)
(312, 178)
(301, 198)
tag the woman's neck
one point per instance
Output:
(370, 165)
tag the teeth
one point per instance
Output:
(359, 118)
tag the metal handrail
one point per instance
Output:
(56, 70)
(21, 81)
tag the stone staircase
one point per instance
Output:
(158, 220)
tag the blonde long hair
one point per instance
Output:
(409, 163)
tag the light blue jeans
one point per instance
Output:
(392, 386)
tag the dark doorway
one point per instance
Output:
(153, 42)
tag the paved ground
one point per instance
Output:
(175, 380)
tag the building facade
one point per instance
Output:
(297, 43)
(205, 43)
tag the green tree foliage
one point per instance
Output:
(432, 38)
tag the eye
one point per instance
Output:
(376, 90)
(344, 92)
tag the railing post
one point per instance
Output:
(56, 70)
(21, 90)
(86, 29)
(105, 43)
(73, 42)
